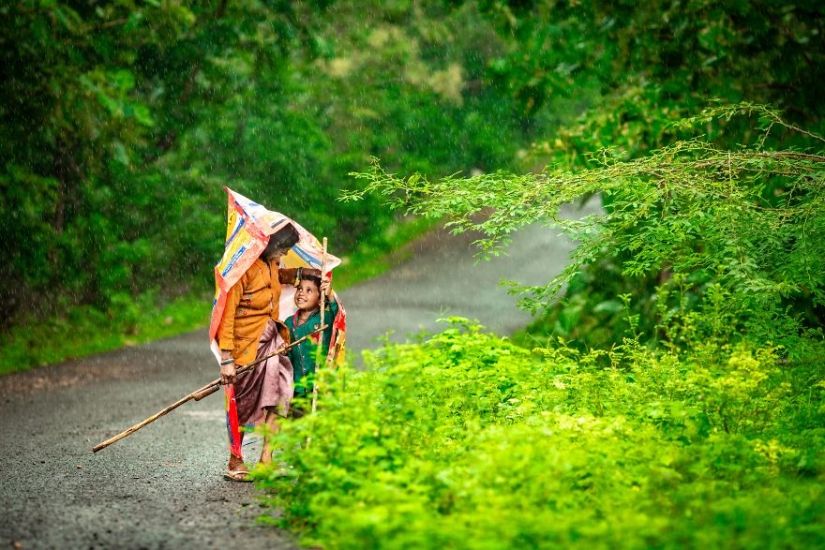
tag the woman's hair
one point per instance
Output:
(285, 238)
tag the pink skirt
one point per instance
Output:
(269, 385)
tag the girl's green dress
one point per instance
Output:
(303, 355)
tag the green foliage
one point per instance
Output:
(468, 441)
(98, 95)
(654, 65)
(677, 54)
(712, 437)
(121, 121)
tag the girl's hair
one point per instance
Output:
(310, 277)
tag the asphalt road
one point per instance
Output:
(162, 487)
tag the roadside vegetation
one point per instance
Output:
(469, 441)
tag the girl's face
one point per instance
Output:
(307, 296)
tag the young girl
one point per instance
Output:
(306, 320)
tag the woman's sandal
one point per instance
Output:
(237, 475)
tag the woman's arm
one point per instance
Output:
(289, 275)
(226, 332)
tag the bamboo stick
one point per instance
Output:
(320, 351)
(198, 394)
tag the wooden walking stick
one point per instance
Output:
(199, 394)
(320, 351)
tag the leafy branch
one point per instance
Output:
(750, 218)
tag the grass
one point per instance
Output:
(85, 331)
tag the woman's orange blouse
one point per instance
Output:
(250, 304)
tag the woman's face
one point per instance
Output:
(276, 255)
(307, 296)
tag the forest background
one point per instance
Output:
(673, 398)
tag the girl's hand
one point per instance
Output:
(326, 286)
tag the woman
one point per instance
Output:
(250, 329)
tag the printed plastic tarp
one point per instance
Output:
(247, 234)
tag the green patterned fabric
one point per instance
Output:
(303, 355)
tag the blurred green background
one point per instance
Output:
(123, 120)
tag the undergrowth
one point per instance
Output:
(469, 441)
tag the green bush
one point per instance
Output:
(468, 441)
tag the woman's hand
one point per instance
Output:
(228, 371)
